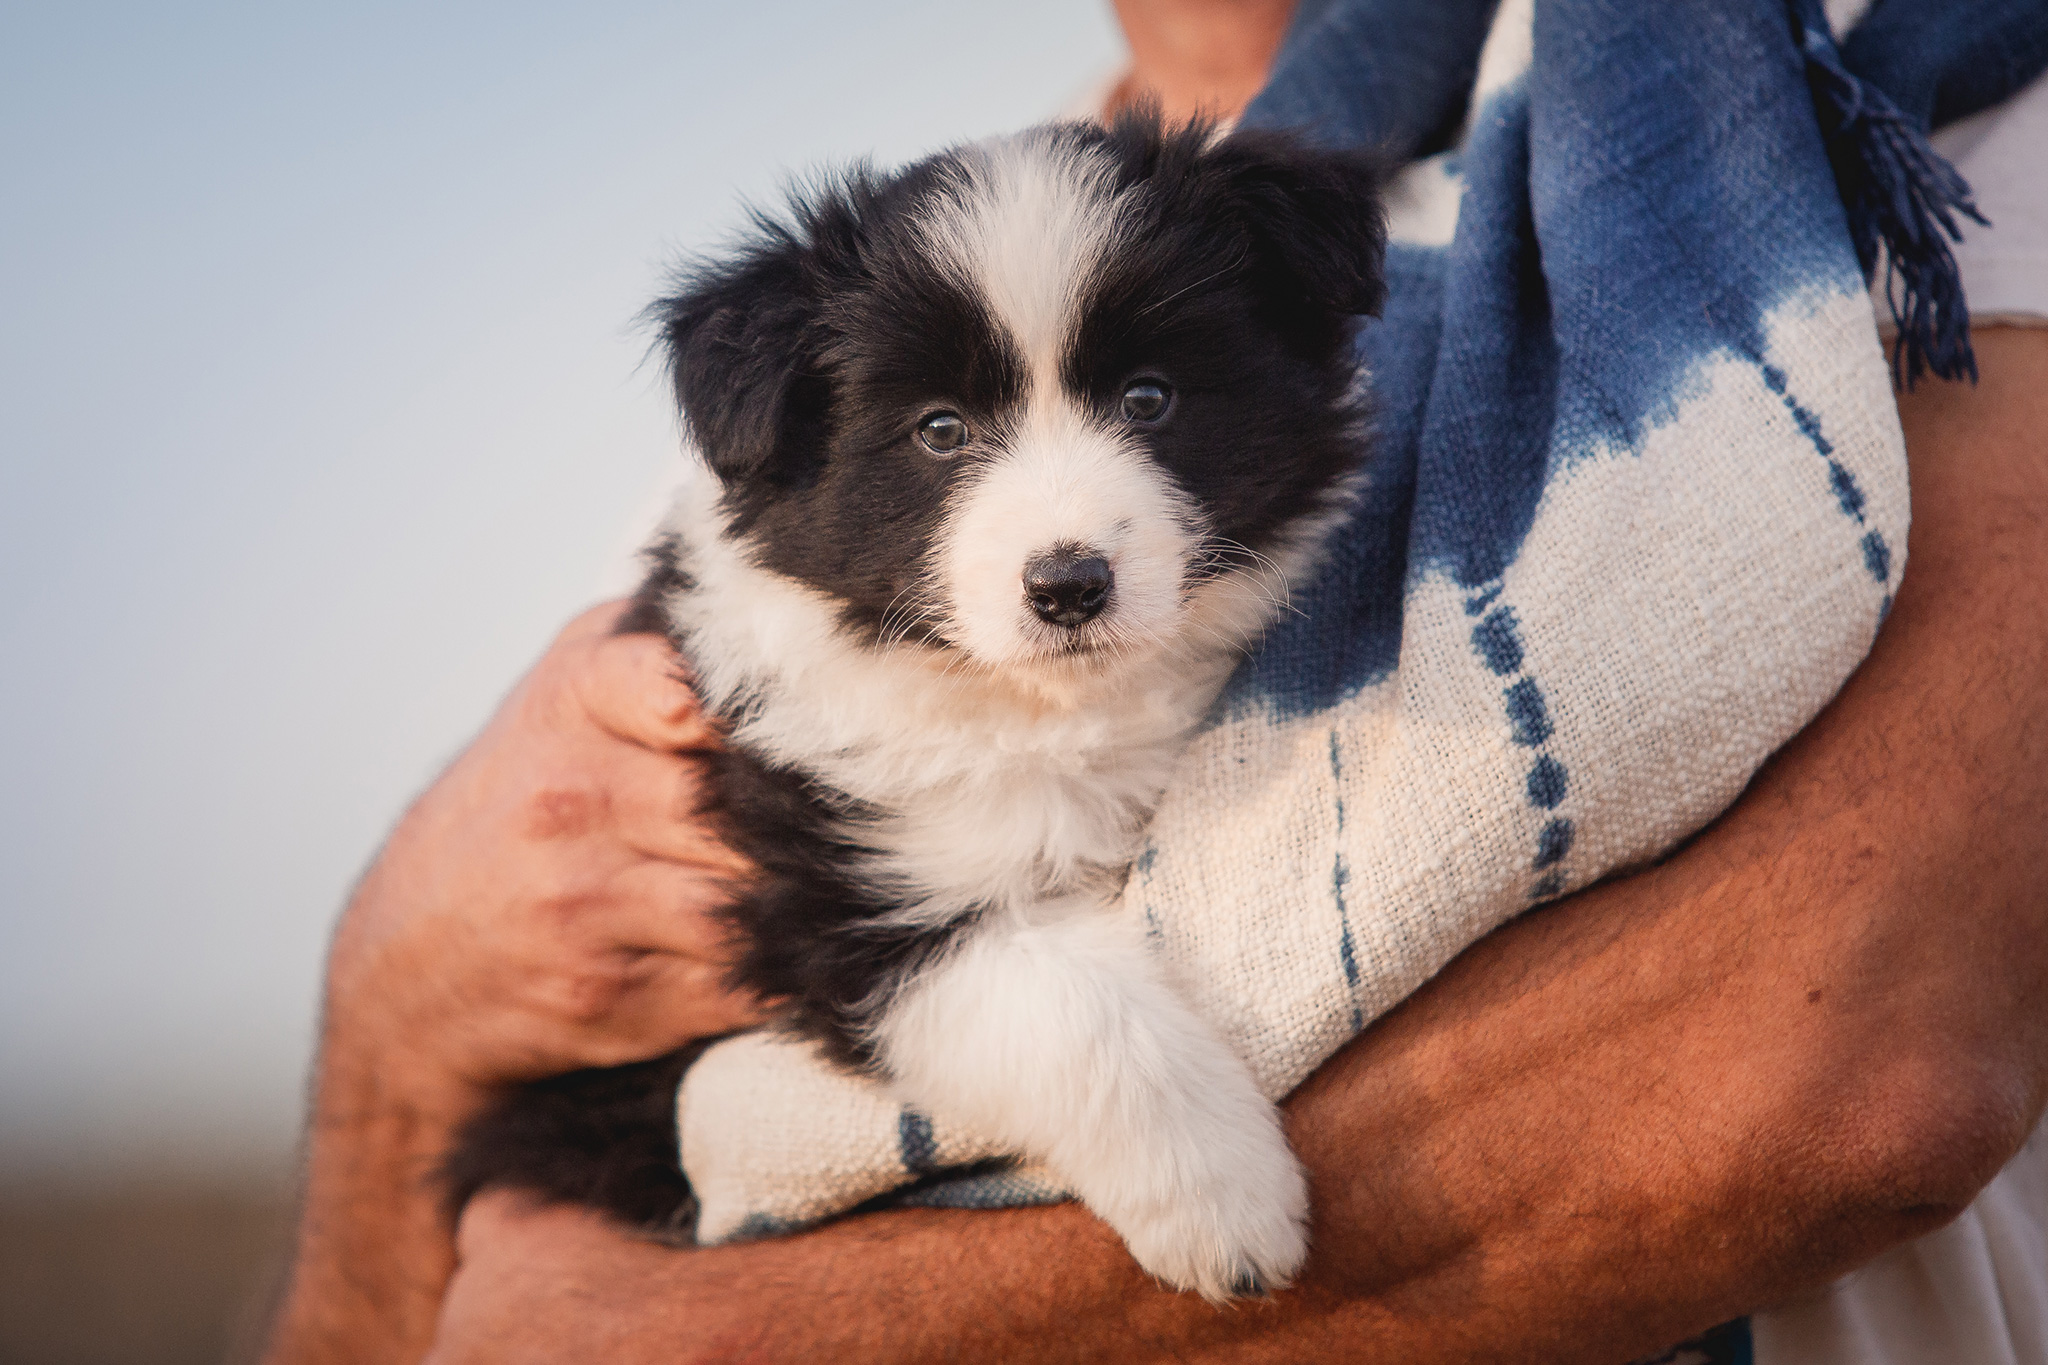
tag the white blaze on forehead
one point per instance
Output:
(1061, 478)
(1030, 222)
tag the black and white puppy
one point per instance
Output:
(1007, 458)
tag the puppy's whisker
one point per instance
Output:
(1232, 265)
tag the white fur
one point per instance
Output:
(1015, 771)
(1035, 219)
(1066, 479)
(1022, 792)
(1026, 234)
(1055, 1033)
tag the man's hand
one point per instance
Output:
(544, 906)
(1813, 1034)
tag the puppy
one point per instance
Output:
(1007, 459)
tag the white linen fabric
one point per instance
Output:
(774, 1140)
(1690, 590)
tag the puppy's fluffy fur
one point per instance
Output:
(1007, 458)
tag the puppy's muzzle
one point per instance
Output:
(1068, 586)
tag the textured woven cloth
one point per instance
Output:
(1638, 507)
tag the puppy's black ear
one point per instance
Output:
(742, 346)
(1316, 215)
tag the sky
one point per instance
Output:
(321, 408)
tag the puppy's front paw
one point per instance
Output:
(1241, 1231)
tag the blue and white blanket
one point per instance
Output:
(1638, 509)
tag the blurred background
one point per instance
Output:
(320, 409)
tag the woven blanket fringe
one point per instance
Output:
(1900, 192)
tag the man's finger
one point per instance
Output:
(598, 620)
(633, 686)
(668, 908)
(658, 1002)
(684, 1000)
(657, 805)
(488, 1218)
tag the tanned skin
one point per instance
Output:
(1688, 1094)
(1198, 58)
(543, 907)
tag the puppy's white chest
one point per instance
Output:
(1026, 824)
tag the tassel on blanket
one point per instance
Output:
(1898, 191)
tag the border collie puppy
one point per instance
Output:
(1007, 459)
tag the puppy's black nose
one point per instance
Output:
(1067, 587)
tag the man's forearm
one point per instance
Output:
(1673, 1099)
(374, 1244)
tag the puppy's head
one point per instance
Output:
(1033, 399)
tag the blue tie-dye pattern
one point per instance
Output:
(1877, 556)
(1943, 62)
(1497, 641)
(1552, 843)
(1348, 634)
(1547, 782)
(1340, 876)
(1634, 207)
(1528, 716)
(1846, 491)
(1637, 205)
(758, 1226)
(1385, 73)
(1142, 867)
(916, 1143)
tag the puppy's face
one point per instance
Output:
(1031, 399)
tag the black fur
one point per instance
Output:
(803, 364)
(808, 927)
(1242, 285)
(791, 924)
(647, 613)
(605, 1138)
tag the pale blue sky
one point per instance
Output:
(319, 409)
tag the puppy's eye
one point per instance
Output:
(1146, 400)
(942, 433)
